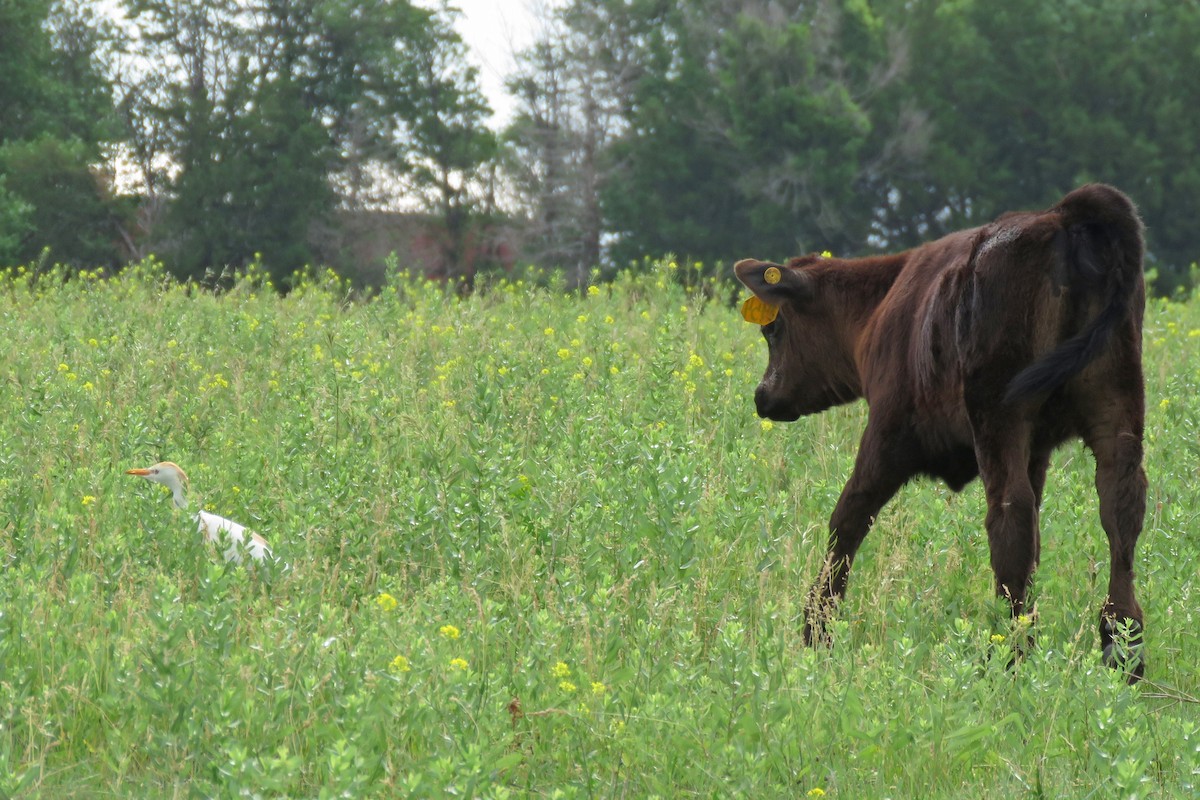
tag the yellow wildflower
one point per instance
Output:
(386, 602)
(88, 499)
(399, 663)
(560, 670)
(566, 686)
(449, 632)
(459, 664)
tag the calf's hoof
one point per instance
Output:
(816, 634)
(1123, 647)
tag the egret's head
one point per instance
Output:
(164, 472)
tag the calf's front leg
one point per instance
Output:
(874, 480)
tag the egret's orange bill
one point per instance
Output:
(142, 472)
(758, 312)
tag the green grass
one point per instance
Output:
(597, 552)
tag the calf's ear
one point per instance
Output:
(773, 283)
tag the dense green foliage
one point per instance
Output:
(1028, 99)
(532, 543)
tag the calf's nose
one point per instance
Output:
(762, 401)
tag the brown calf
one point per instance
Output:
(978, 354)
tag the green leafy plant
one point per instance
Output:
(531, 542)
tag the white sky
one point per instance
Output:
(494, 30)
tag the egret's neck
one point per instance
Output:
(178, 496)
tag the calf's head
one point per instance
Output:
(807, 369)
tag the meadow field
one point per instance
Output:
(534, 543)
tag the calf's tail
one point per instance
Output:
(1100, 244)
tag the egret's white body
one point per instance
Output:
(214, 528)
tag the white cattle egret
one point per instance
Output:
(214, 528)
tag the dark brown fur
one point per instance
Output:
(978, 355)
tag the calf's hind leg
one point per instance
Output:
(1121, 486)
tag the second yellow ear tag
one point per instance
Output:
(772, 275)
(758, 312)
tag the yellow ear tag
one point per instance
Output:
(772, 275)
(758, 312)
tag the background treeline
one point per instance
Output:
(299, 132)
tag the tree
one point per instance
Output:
(757, 128)
(58, 114)
(70, 209)
(228, 109)
(709, 128)
(569, 108)
(1028, 100)
(14, 224)
(51, 84)
(737, 127)
(442, 141)
(275, 111)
